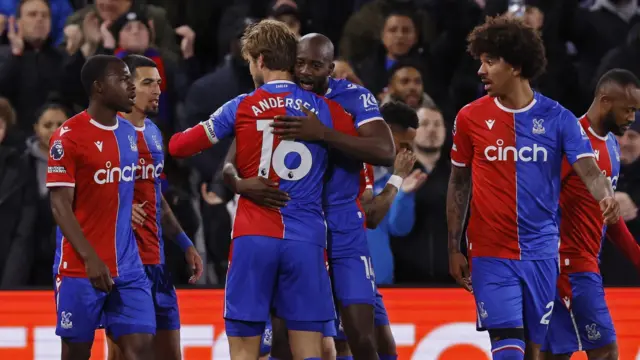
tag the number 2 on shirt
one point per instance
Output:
(269, 156)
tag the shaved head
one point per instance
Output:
(314, 62)
(322, 45)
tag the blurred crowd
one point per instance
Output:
(412, 51)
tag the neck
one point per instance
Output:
(593, 114)
(519, 96)
(428, 157)
(136, 117)
(273, 75)
(102, 114)
(43, 148)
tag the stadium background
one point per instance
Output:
(195, 42)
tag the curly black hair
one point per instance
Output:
(511, 39)
(395, 112)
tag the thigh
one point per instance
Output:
(79, 308)
(540, 279)
(588, 305)
(561, 335)
(353, 280)
(129, 307)
(498, 293)
(303, 288)
(251, 278)
(165, 299)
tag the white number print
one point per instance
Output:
(270, 157)
(368, 267)
(547, 315)
(614, 181)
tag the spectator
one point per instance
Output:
(60, 10)
(107, 11)
(286, 11)
(400, 40)
(418, 255)
(17, 208)
(405, 85)
(50, 117)
(32, 70)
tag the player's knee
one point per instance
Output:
(609, 352)
(360, 342)
(328, 349)
(75, 350)
(503, 334)
(239, 328)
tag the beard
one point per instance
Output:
(610, 124)
(151, 112)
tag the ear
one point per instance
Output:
(516, 71)
(97, 87)
(260, 61)
(332, 67)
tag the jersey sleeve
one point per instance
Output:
(62, 164)
(462, 149)
(363, 106)
(221, 124)
(575, 142)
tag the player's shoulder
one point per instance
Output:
(339, 87)
(150, 126)
(74, 129)
(551, 109)
(126, 125)
(477, 107)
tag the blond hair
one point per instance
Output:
(274, 41)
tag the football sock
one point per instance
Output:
(388, 357)
(344, 357)
(508, 349)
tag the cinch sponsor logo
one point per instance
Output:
(114, 175)
(511, 153)
(56, 170)
(148, 171)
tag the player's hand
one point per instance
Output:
(610, 210)
(98, 273)
(459, 269)
(628, 209)
(342, 70)
(414, 181)
(209, 197)
(263, 192)
(187, 42)
(307, 127)
(14, 34)
(195, 264)
(404, 163)
(138, 215)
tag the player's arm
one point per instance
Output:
(172, 229)
(622, 238)
(206, 134)
(258, 189)
(374, 145)
(579, 153)
(458, 195)
(377, 207)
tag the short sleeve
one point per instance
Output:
(362, 105)
(575, 142)
(462, 149)
(221, 124)
(340, 119)
(62, 163)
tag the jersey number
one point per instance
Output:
(270, 157)
(547, 315)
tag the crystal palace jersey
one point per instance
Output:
(148, 192)
(99, 162)
(343, 179)
(581, 225)
(516, 158)
(299, 167)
